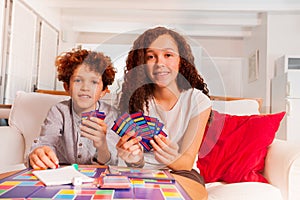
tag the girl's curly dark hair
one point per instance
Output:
(67, 62)
(137, 87)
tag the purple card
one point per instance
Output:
(93, 113)
(144, 126)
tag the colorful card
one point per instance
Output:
(144, 126)
(93, 113)
(124, 124)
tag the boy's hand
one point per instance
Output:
(94, 129)
(165, 152)
(130, 150)
(43, 158)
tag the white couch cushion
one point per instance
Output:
(282, 168)
(243, 191)
(9, 154)
(10, 168)
(237, 107)
(29, 111)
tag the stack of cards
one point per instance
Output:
(142, 125)
(93, 113)
(114, 182)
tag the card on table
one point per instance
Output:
(60, 176)
(142, 173)
(114, 182)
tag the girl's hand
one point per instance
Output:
(95, 130)
(43, 158)
(131, 150)
(165, 152)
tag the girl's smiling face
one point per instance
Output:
(162, 59)
(86, 88)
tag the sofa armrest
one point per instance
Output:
(11, 146)
(282, 168)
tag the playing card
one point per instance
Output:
(100, 115)
(159, 127)
(152, 123)
(146, 144)
(120, 123)
(93, 113)
(144, 126)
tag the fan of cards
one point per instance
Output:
(142, 125)
(93, 113)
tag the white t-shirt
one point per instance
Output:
(190, 103)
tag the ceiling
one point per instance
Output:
(196, 18)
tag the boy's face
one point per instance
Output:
(85, 88)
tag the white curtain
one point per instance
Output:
(2, 11)
(22, 59)
(1, 29)
(48, 52)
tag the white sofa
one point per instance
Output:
(282, 163)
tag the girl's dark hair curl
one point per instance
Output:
(137, 87)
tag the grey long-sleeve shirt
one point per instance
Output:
(61, 132)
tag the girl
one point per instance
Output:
(161, 80)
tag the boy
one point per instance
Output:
(65, 138)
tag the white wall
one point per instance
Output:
(273, 38)
(217, 59)
(215, 46)
(278, 35)
(222, 69)
(283, 38)
(230, 70)
(258, 88)
(222, 47)
(68, 40)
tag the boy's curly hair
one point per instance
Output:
(137, 87)
(67, 62)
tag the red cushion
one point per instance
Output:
(234, 147)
